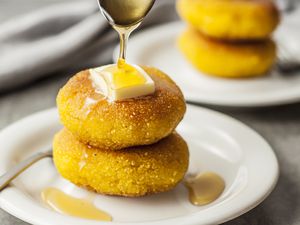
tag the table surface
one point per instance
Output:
(280, 126)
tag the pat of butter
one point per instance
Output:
(122, 83)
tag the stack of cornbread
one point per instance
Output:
(229, 38)
(126, 148)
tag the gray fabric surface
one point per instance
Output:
(279, 125)
(63, 36)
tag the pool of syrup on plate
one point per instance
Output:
(68, 205)
(204, 188)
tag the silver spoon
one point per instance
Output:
(6, 178)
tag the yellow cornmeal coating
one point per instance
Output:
(121, 124)
(136, 171)
(231, 19)
(227, 59)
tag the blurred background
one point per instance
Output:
(44, 42)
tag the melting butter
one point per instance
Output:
(204, 188)
(121, 81)
(126, 75)
(66, 204)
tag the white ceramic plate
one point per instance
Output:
(157, 47)
(217, 143)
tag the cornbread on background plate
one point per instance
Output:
(227, 59)
(231, 19)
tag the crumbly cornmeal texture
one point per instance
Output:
(120, 124)
(227, 59)
(136, 171)
(231, 19)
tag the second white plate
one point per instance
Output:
(157, 47)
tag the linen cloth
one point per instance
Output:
(65, 36)
(74, 35)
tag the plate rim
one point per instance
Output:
(282, 99)
(8, 205)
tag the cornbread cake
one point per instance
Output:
(120, 124)
(135, 171)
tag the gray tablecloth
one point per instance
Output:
(70, 35)
(279, 125)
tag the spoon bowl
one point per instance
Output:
(125, 12)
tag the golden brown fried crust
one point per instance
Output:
(116, 125)
(136, 171)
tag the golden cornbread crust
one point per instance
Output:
(136, 171)
(227, 59)
(231, 19)
(121, 124)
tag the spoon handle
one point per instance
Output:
(6, 178)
